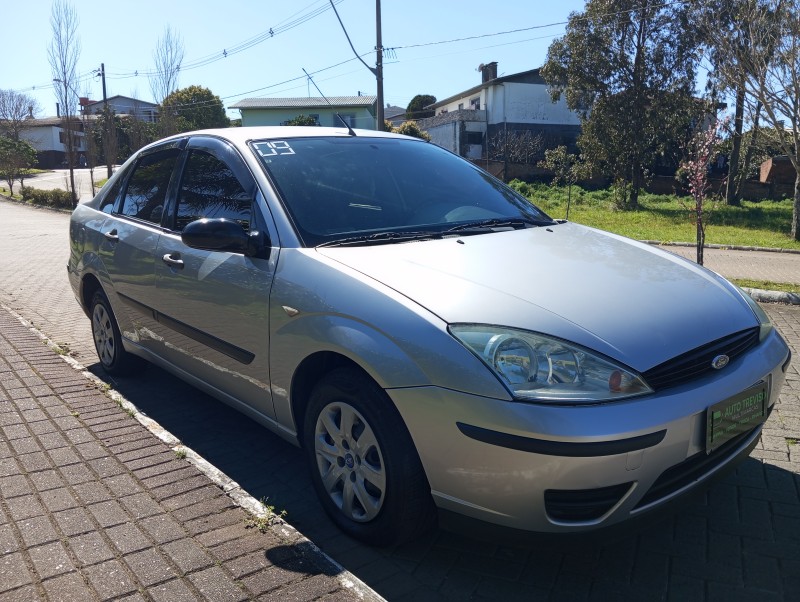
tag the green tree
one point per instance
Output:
(567, 169)
(118, 137)
(767, 68)
(416, 108)
(725, 41)
(16, 157)
(628, 68)
(193, 108)
(302, 120)
(760, 144)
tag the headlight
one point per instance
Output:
(540, 368)
(763, 319)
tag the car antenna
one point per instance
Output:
(350, 130)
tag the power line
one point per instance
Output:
(286, 25)
(532, 27)
(294, 21)
(283, 26)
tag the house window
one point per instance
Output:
(474, 138)
(349, 118)
(460, 106)
(475, 104)
(77, 141)
(315, 116)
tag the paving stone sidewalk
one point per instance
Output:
(95, 507)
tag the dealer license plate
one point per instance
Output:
(728, 419)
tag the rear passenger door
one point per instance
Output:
(131, 234)
(213, 305)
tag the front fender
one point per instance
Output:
(318, 305)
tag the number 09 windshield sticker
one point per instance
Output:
(270, 149)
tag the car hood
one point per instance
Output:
(628, 300)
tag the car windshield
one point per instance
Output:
(357, 189)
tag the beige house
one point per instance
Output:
(123, 105)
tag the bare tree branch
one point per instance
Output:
(63, 54)
(15, 108)
(168, 57)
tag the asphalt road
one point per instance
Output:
(740, 540)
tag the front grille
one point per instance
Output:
(692, 469)
(579, 505)
(697, 362)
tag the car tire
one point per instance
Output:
(367, 474)
(108, 341)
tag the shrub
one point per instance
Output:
(411, 128)
(61, 199)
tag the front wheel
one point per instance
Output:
(108, 340)
(364, 466)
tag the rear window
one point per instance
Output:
(338, 187)
(147, 187)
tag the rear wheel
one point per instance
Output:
(108, 341)
(363, 463)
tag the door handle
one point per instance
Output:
(173, 260)
(112, 235)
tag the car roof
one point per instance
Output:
(243, 135)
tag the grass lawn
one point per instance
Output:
(767, 285)
(667, 218)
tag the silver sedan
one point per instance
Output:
(437, 344)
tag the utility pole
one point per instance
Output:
(106, 118)
(379, 65)
(378, 70)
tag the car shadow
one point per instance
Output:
(738, 537)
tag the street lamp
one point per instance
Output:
(106, 125)
(68, 127)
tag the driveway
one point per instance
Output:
(737, 541)
(59, 178)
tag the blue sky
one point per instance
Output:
(424, 58)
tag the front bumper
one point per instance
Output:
(559, 469)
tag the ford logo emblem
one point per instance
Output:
(719, 362)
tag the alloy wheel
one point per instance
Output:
(350, 461)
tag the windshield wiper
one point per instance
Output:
(490, 225)
(382, 238)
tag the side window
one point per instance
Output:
(210, 189)
(147, 186)
(110, 197)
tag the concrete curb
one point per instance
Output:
(231, 488)
(659, 243)
(772, 296)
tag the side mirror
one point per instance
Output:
(220, 234)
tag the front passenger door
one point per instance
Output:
(213, 305)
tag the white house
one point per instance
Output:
(465, 122)
(49, 137)
(357, 111)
